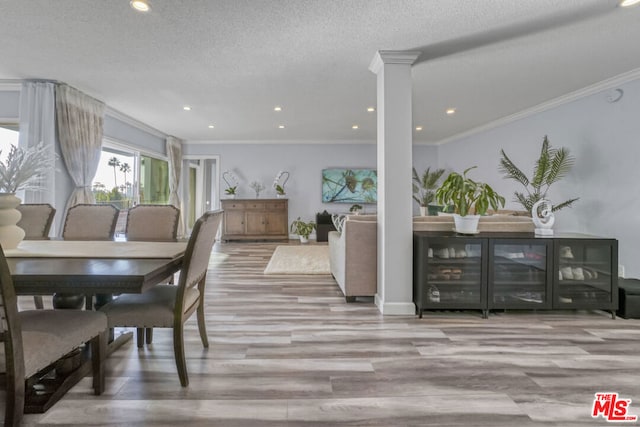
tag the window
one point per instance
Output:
(126, 177)
(154, 181)
(8, 137)
(115, 180)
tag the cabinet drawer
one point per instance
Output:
(275, 206)
(254, 206)
(232, 206)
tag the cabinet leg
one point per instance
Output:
(420, 314)
(613, 314)
(485, 314)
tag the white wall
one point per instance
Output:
(304, 162)
(9, 105)
(605, 139)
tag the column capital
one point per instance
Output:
(392, 57)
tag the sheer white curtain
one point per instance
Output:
(174, 153)
(80, 119)
(38, 124)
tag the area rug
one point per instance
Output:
(308, 259)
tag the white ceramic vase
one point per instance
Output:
(467, 224)
(10, 234)
(304, 239)
(423, 211)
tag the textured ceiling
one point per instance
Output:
(234, 60)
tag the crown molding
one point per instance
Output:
(593, 89)
(383, 57)
(282, 142)
(10, 85)
(134, 122)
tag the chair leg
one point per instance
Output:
(14, 407)
(37, 300)
(98, 355)
(202, 327)
(148, 335)
(140, 337)
(178, 350)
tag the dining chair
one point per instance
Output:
(90, 222)
(169, 306)
(36, 220)
(87, 222)
(35, 339)
(152, 223)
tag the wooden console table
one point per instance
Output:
(255, 219)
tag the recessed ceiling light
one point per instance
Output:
(281, 127)
(140, 5)
(627, 3)
(276, 108)
(354, 127)
(186, 108)
(451, 111)
(211, 126)
(418, 128)
(371, 109)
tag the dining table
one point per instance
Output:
(46, 267)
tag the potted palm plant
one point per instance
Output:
(302, 229)
(469, 199)
(424, 187)
(552, 165)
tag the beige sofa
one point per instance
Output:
(354, 252)
(354, 256)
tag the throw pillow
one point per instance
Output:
(338, 221)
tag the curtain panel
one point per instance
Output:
(80, 120)
(174, 153)
(38, 125)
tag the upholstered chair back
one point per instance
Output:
(90, 222)
(197, 255)
(36, 220)
(151, 223)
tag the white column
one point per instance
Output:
(395, 249)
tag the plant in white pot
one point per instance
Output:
(469, 199)
(302, 229)
(232, 184)
(424, 187)
(21, 170)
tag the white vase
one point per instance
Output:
(423, 211)
(467, 224)
(10, 234)
(304, 239)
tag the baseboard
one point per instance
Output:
(395, 308)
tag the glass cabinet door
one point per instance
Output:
(450, 274)
(519, 274)
(586, 274)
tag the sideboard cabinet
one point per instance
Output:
(492, 271)
(255, 219)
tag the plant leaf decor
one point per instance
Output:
(552, 165)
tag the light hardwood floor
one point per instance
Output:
(288, 351)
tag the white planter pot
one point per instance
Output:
(231, 196)
(423, 211)
(281, 196)
(304, 239)
(10, 234)
(467, 224)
